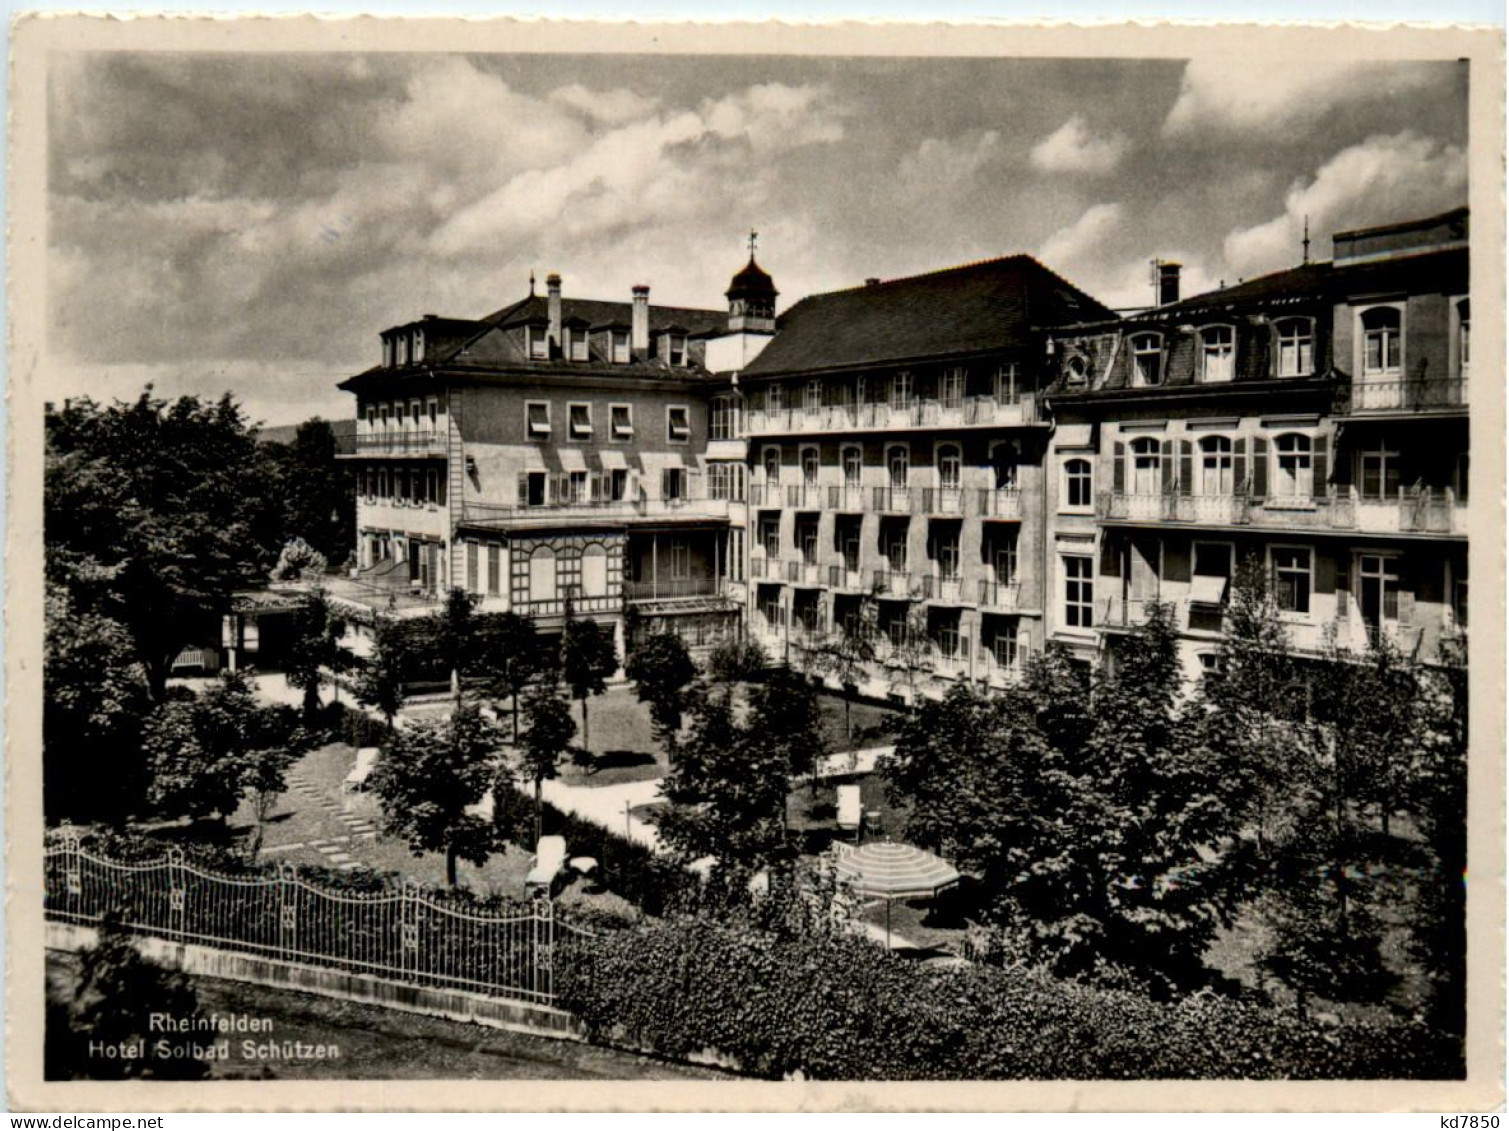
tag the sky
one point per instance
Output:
(252, 222)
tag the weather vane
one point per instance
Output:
(753, 236)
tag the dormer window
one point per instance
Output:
(621, 421)
(1296, 347)
(387, 353)
(403, 349)
(620, 347)
(901, 390)
(1217, 354)
(577, 344)
(1074, 371)
(418, 345)
(1381, 340)
(1147, 360)
(581, 421)
(678, 426)
(951, 388)
(539, 342)
(675, 349)
(814, 397)
(537, 417)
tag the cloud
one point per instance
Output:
(1073, 149)
(1383, 179)
(1082, 239)
(1271, 96)
(613, 107)
(947, 164)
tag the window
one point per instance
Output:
(370, 479)
(1003, 650)
(721, 422)
(371, 419)
(402, 342)
(494, 569)
(382, 483)
(581, 420)
(735, 558)
(946, 552)
(853, 463)
(725, 480)
(898, 460)
(1379, 476)
(619, 346)
(947, 639)
(1291, 578)
(537, 414)
(384, 417)
(432, 485)
(1005, 383)
(1003, 560)
(1075, 371)
(1212, 665)
(678, 424)
(1381, 337)
(532, 489)
(1464, 327)
(1292, 475)
(1077, 484)
(1217, 353)
(621, 421)
(1378, 589)
(895, 550)
(1296, 347)
(576, 487)
(901, 390)
(773, 469)
(675, 349)
(432, 408)
(1456, 586)
(673, 482)
(681, 560)
(387, 353)
(418, 345)
(809, 466)
(812, 398)
(471, 567)
(774, 400)
(1213, 568)
(1142, 568)
(618, 484)
(1147, 360)
(949, 467)
(1079, 591)
(1004, 460)
(1146, 466)
(770, 537)
(539, 342)
(1216, 466)
(577, 344)
(951, 388)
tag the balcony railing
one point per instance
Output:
(1000, 502)
(1001, 596)
(915, 413)
(891, 500)
(1414, 510)
(673, 587)
(765, 568)
(806, 496)
(846, 577)
(949, 589)
(697, 506)
(943, 500)
(400, 442)
(846, 498)
(1131, 612)
(891, 583)
(805, 572)
(1406, 396)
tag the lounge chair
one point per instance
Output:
(850, 808)
(366, 762)
(547, 868)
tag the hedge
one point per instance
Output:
(840, 1008)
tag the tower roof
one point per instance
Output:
(751, 282)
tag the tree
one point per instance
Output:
(512, 657)
(156, 513)
(547, 736)
(910, 657)
(315, 646)
(95, 704)
(789, 719)
(736, 659)
(588, 658)
(429, 774)
(661, 670)
(457, 637)
(846, 654)
(318, 490)
(727, 792)
(299, 561)
(380, 678)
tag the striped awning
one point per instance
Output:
(894, 871)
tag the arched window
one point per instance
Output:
(948, 467)
(1381, 340)
(1217, 353)
(1147, 360)
(1146, 466)
(595, 571)
(1077, 483)
(1215, 466)
(1291, 478)
(1296, 347)
(772, 466)
(899, 463)
(853, 462)
(809, 466)
(542, 574)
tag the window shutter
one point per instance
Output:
(1318, 465)
(665, 483)
(1186, 467)
(1341, 468)
(523, 489)
(1259, 468)
(1166, 466)
(1406, 591)
(1343, 586)
(1118, 469)
(1239, 464)
(597, 488)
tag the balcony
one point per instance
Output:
(397, 443)
(765, 568)
(1415, 510)
(967, 412)
(765, 495)
(692, 508)
(1001, 503)
(891, 583)
(891, 500)
(1000, 596)
(1132, 612)
(805, 572)
(947, 501)
(671, 588)
(848, 578)
(1407, 397)
(944, 590)
(806, 497)
(848, 498)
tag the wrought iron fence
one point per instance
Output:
(405, 934)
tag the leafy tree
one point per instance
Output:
(788, 717)
(380, 678)
(910, 658)
(588, 658)
(846, 655)
(661, 670)
(299, 561)
(429, 774)
(547, 736)
(117, 992)
(457, 634)
(727, 792)
(512, 657)
(318, 491)
(315, 646)
(92, 714)
(156, 513)
(736, 660)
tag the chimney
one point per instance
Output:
(639, 325)
(553, 290)
(1168, 283)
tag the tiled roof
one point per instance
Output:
(599, 313)
(960, 310)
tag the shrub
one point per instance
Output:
(839, 1008)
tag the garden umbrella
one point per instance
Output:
(886, 870)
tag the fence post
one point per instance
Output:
(408, 930)
(177, 890)
(73, 880)
(288, 911)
